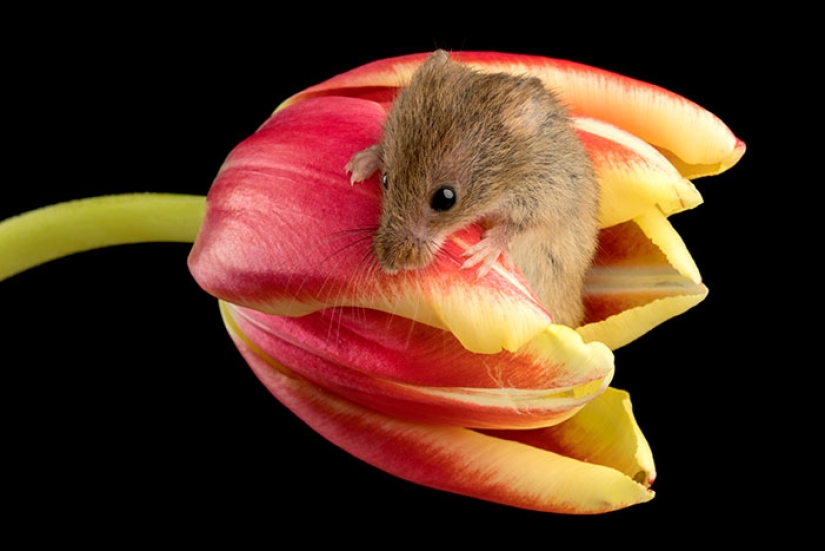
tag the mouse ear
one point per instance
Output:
(438, 58)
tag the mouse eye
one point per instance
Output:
(385, 180)
(443, 198)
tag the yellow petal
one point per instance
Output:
(642, 276)
(604, 432)
(633, 174)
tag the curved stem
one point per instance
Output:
(52, 232)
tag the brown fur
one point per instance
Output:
(506, 145)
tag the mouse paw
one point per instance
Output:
(363, 164)
(486, 252)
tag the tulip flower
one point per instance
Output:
(438, 376)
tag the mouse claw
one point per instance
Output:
(487, 252)
(363, 164)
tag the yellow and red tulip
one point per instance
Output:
(437, 376)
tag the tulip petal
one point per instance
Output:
(633, 174)
(420, 373)
(642, 276)
(680, 128)
(286, 233)
(604, 432)
(450, 458)
(276, 193)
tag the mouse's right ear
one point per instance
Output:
(432, 66)
(438, 58)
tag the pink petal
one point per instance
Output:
(412, 371)
(449, 458)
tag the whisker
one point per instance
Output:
(416, 307)
(345, 241)
(358, 235)
(364, 271)
(365, 266)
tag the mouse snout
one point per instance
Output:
(404, 252)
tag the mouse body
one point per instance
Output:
(461, 147)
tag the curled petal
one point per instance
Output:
(420, 373)
(604, 432)
(700, 141)
(642, 276)
(451, 458)
(633, 174)
(285, 233)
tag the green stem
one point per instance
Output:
(55, 231)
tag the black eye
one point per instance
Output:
(385, 180)
(443, 198)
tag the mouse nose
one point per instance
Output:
(406, 253)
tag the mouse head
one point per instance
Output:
(441, 157)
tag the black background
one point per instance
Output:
(131, 414)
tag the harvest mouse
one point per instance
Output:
(461, 147)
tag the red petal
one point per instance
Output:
(453, 459)
(411, 371)
(660, 117)
(286, 233)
